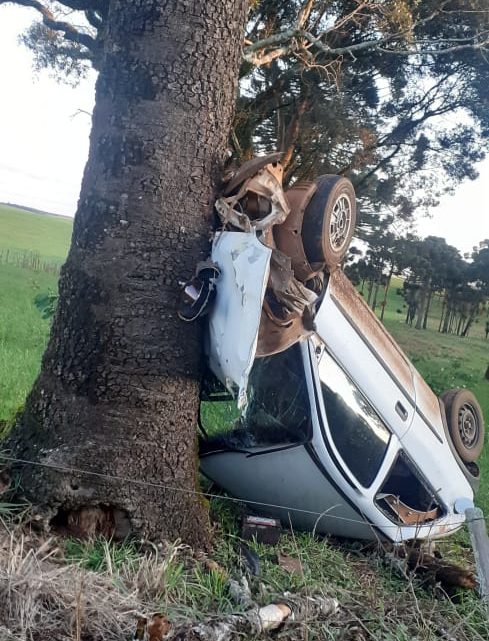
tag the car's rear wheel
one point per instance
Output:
(465, 423)
(329, 221)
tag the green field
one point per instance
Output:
(23, 332)
(396, 311)
(45, 234)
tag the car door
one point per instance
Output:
(369, 355)
(266, 458)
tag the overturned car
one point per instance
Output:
(310, 412)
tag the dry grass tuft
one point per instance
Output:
(67, 590)
(42, 598)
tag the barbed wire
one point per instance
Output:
(209, 495)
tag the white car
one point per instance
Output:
(338, 433)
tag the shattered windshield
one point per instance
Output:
(277, 412)
(278, 404)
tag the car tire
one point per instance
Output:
(329, 221)
(447, 397)
(465, 423)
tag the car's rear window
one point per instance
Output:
(357, 431)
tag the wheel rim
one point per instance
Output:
(468, 425)
(340, 224)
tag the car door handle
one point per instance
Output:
(401, 410)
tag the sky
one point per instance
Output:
(44, 130)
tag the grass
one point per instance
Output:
(99, 554)
(23, 331)
(48, 584)
(23, 334)
(116, 582)
(218, 416)
(46, 234)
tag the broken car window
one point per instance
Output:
(278, 410)
(358, 432)
(404, 498)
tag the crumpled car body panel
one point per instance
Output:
(244, 264)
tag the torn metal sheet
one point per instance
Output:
(259, 203)
(274, 337)
(248, 169)
(244, 264)
(288, 309)
(292, 294)
(407, 514)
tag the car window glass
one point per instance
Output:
(278, 410)
(278, 404)
(358, 432)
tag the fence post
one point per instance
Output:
(480, 544)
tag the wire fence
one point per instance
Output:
(327, 513)
(32, 260)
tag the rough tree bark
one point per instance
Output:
(118, 389)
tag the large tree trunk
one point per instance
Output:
(118, 390)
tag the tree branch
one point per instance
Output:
(251, 52)
(304, 14)
(49, 20)
(293, 40)
(469, 46)
(84, 5)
